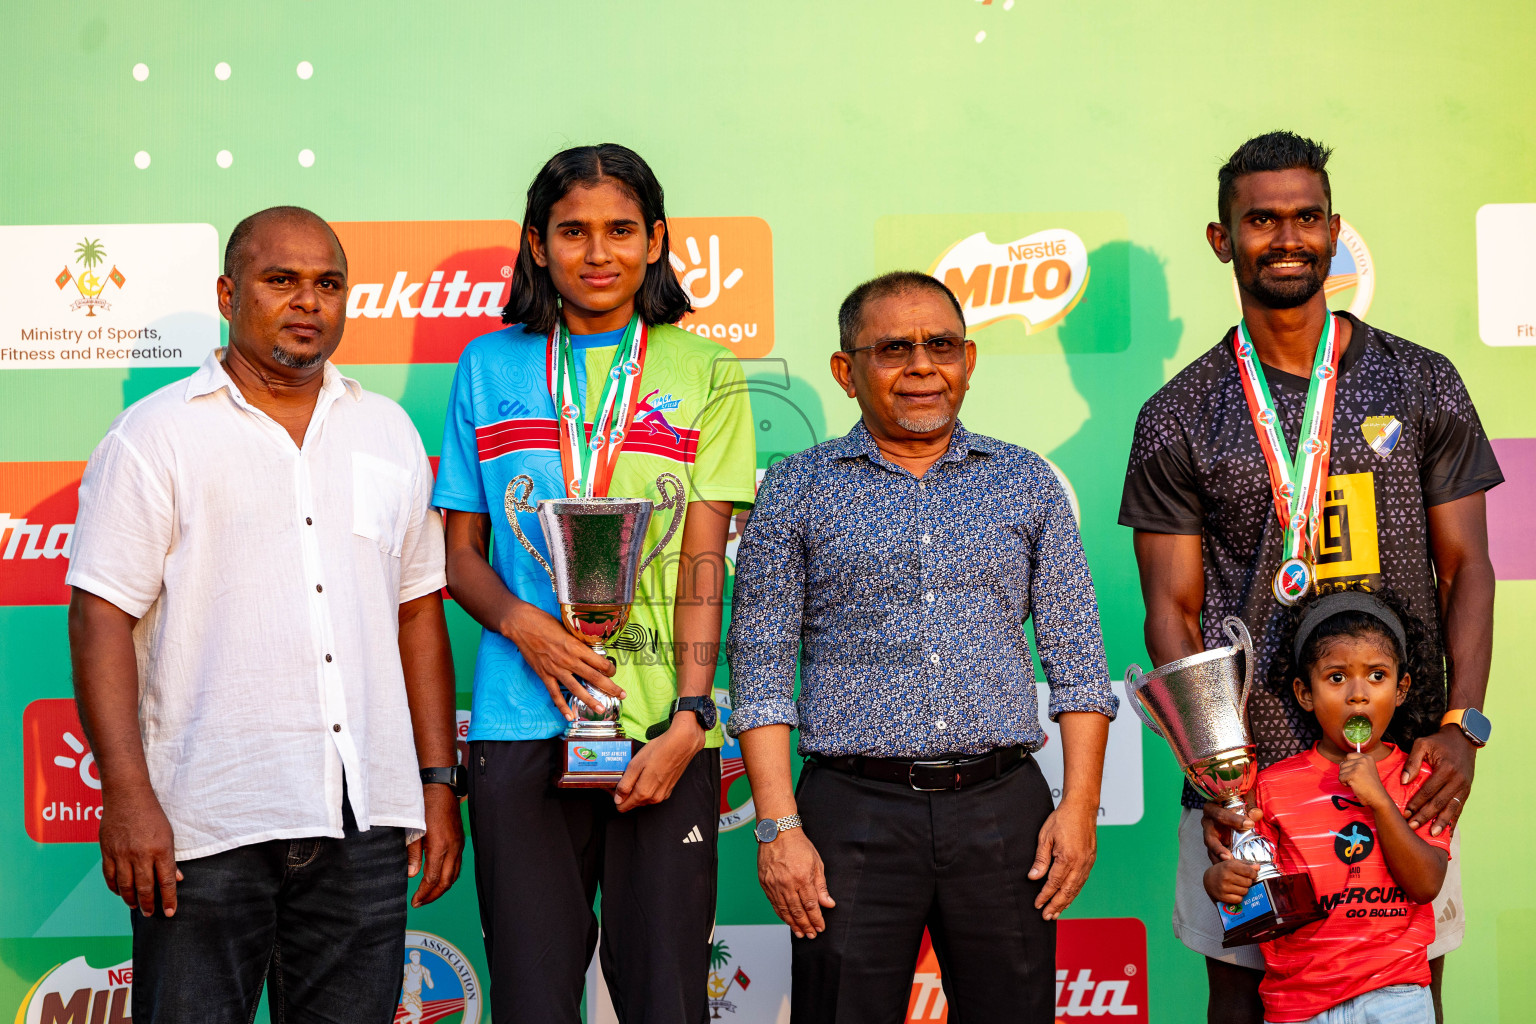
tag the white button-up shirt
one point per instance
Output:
(267, 579)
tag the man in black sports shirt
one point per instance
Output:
(1402, 506)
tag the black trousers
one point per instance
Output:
(542, 854)
(899, 860)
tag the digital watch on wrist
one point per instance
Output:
(1472, 723)
(702, 707)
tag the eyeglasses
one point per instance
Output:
(897, 352)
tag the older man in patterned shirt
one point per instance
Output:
(899, 564)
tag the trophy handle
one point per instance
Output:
(674, 500)
(517, 501)
(1237, 630)
(1132, 684)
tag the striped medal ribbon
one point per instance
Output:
(587, 459)
(1297, 484)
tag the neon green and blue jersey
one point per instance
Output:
(693, 420)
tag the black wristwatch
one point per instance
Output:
(455, 778)
(703, 707)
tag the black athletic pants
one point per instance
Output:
(542, 854)
(899, 860)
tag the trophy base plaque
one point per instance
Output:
(593, 763)
(1275, 906)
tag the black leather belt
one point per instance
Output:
(928, 776)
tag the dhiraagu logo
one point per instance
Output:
(1033, 283)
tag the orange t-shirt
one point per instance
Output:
(1373, 936)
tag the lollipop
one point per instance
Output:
(1358, 730)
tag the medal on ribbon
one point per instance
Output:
(1297, 483)
(588, 457)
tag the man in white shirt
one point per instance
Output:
(261, 661)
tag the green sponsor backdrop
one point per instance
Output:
(824, 119)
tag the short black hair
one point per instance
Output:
(1426, 701)
(1272, 151)
(533, 302)
(234, 249)
(850, 315)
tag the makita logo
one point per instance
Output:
(453, 298)
(1086, 996)
(39, 502)
(25, 540)
(1101, 971)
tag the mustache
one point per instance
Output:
(1288, 257)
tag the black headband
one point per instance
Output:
(1346, 601)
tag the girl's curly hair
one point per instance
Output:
(1421, 710)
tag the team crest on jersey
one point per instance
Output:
(1354, 843)
(1381, 433)
(438, 983)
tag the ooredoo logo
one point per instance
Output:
(1101, 970)
(422, 290)
(1036, 279)
(38, 503)
(725, 264)
(60, 785)
(77, 992)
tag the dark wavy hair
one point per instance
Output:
(1421, 710)
(534, 303)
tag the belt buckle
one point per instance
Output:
(912, 772)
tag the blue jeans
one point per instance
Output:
(321, 921)
(1395, 1004)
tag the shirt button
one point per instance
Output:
(928, 597)
(328, 657)
(940, 724)
(927, 539)
(932, 657)
(308, 521)
(336, 728)
(319, 589)
(922, 486)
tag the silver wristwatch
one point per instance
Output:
(768, 829)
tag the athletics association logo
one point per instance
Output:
(61, 787)
(1354, 843)
(1036, 279)
(77, 992)
(90, 256)
(1381, 433)
(438, 983)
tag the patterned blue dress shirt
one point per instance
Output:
(905, 602)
